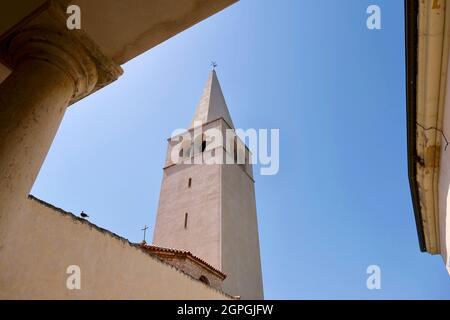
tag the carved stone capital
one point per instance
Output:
(57, 49)
(44, 36)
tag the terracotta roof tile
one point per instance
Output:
(155, 249)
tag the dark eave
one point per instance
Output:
(411, 43)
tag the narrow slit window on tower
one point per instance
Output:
(185, 220)
(189, 182)
(235, 151)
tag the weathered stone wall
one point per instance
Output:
(195, 271)
(39, 242)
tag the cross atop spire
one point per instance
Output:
(212, 105)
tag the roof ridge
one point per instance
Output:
(189, 253)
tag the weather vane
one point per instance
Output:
(213, 64)
(145, 229)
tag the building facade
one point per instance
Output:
(39, 243)
(207, 202)
(428, 121)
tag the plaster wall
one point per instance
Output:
(201, 202)
(240, 241)
(39, 242)
(444, 185)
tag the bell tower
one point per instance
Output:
(207, 201)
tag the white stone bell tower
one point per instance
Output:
(210, 209)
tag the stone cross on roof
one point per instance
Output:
(145, 230)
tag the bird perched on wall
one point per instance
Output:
(84, 215)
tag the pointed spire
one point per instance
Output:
(212, 105)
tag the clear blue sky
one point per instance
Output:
(336, 91)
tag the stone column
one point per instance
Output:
(33, 100)
(51, 68)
